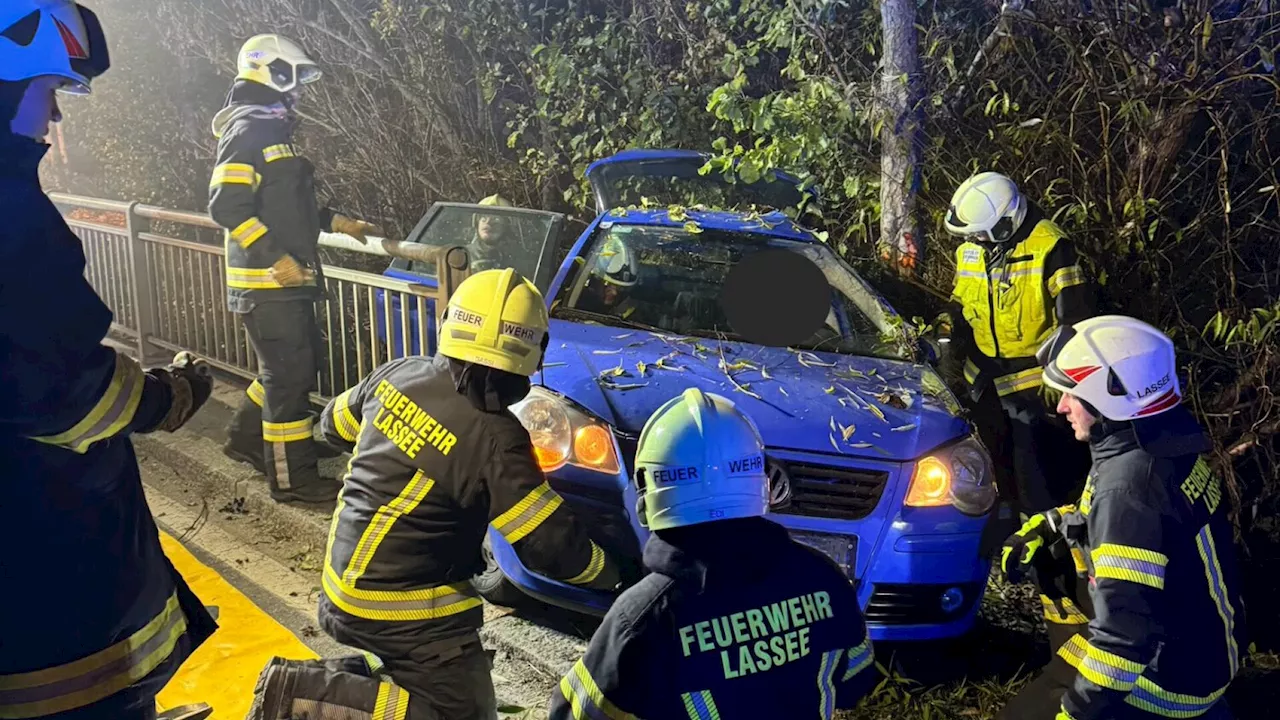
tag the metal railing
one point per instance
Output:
(169, 294)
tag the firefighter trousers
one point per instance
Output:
(1049, 464)
(336, 689)
(451, 675)
(273, 424)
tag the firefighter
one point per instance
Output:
(491, 248)
(95, 619)
(1152, 531)
(615, 273)
(735, 619)
(437, 458)
(1017, 280)
(263, 194)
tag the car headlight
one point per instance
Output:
(960, 475)
(563, 435)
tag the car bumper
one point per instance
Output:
(918, 571)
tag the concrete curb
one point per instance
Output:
(195, 453)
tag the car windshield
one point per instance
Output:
(675, 281)
(494, 237)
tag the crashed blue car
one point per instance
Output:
(868, 456)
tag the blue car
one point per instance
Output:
(868, 456)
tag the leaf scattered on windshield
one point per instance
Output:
(692, 227)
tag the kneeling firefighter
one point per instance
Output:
(262, 193)
(1152, 532)
(437, 458)
(94, 619)
(1017, 280)
(735, 619)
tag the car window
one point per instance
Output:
(670, 279)
(494, 237)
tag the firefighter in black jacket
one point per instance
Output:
(735, 619)
(1151, 528)
(1017, 280)
(263, 193)
(94, 619)
(437, 458)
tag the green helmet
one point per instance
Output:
(700, 459)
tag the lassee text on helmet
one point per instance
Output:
(700, 459)
(496, 318)
(1122, 367)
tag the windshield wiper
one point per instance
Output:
(606, 319)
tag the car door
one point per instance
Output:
(529, 246)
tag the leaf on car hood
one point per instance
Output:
(606, 352)
(623, 336)
(808, 359)
(876, 411)
(904, 428)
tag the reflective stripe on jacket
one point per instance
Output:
(1153, 530)
(429, 473)
(262, 192)
(737, 621)
(91, 604)
(1014, 299)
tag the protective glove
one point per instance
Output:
(289, 273)
(358, 229)
(190, 382)
(1021, 547)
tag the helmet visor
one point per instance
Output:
(308, 74)
(1048, 353)
(92, 59)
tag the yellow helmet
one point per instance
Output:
(498, 319)
(496, 199)
(277, 62)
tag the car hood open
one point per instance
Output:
(810, 401)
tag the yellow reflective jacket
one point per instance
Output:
(1013, 301)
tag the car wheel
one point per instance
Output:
(492, 583)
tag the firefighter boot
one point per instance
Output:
(244, 432)
(323, 689)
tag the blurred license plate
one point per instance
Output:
(843, 549)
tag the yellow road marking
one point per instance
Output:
(223, 671)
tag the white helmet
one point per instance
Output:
(988, 206)
(51, 37)
(699, 459)
(277, 62)
(1121, 367)
(616, 263)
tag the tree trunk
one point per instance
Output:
(901, 138)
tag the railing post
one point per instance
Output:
(452, 267)
(143, 282)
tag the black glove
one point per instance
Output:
(190, 384)
(1021, 547)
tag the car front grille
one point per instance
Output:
(822, 491)
(917, 604)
